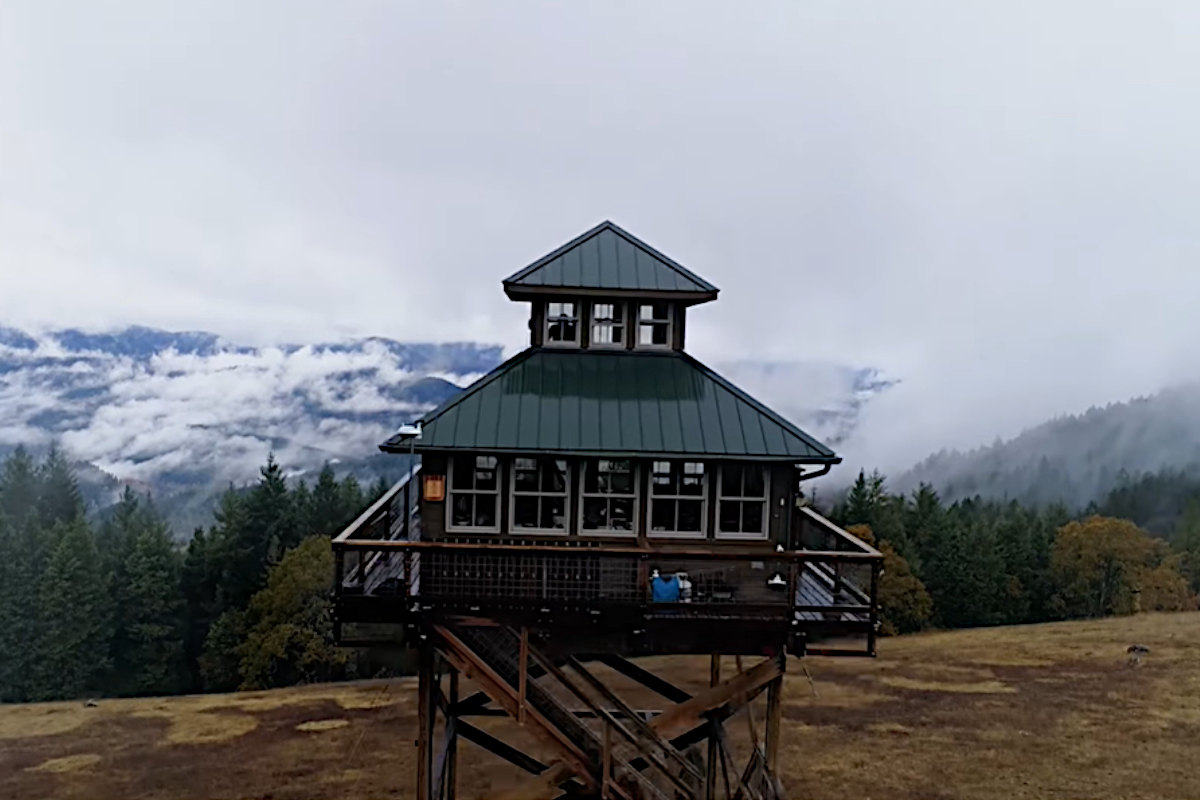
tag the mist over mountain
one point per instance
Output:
(1075, 459)
(181, 415)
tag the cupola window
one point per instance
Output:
(562, 324)
(608, 325)
(654, 324)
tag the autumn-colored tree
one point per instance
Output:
(290, 635)
(1101, 565)
(904, 603)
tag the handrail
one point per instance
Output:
(839, 532)
(603, 550)
(373, 509)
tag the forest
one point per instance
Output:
(112, 604)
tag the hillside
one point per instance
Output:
(1049, 711)
(1075, 459)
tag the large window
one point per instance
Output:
(742, 502)
(609, 496)
(677, 495)
(474, 494)
(608, 325)
(539, 495)
(562, 324)
(654, 324)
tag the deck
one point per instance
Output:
(806, 597)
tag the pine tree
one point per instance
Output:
(20, 487)
(59, 500)
(1186, 543)
(148, 643)
(328, 507)
(75, 618)
(201, 575)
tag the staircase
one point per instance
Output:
(605, 748)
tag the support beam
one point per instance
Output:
(774, 725)
(734, 691)
(496, 747)
(523, 673)
(647, 679)
(451, 785)
(714, 733)
(426, 709)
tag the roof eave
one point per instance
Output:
(404, 449)
(518, 291)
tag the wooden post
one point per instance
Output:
(714, 734)
(606, 766)
(426, 708)
(450, 787)
(523, 675)
(774, 723)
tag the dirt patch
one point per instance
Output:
(67, 763)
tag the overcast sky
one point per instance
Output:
(998, 207)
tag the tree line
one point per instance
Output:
(980, 562)
(116, 606)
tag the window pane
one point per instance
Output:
(554, 475)
(731, 516)
(485, 510)
(621, 483)
(607, 333)
(653, 311)
(462, 472)
(462, 510)
(752, 517)
(595, 513)
(662, 515)
(690, 513)
(560, 311)
(525, 512)
(554, 513)
(755, 484)
(562, 332)
(692, 481)
(591, 478)
(658, 334)
(602, 311)
(664, 479)
(621, 511)
(525, 475)
(485, 473)
(731, 480)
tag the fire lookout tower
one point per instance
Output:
(602, 496)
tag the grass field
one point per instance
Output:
(1050, 711)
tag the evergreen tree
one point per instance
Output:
(328, 505)
(74, 613)
(200, 580)
(148, 645)
(59, 501)
(965, 574)
(1186, 542)
(20, 487)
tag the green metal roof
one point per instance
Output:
(610, 259)
(612, 403)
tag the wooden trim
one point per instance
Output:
(717, 554)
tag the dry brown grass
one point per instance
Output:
(1052, 712)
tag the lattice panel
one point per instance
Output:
(530, 577)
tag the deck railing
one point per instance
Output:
(831, 578)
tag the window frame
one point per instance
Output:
(651, 322)
(618, 306)
(765, 534)
(451, 491)
(548, 321)
(583, 495)
(705, 477)
(513, 494)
